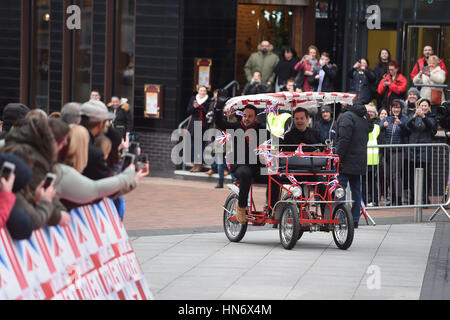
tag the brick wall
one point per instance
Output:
(159, 148)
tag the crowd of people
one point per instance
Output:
(394, 113)
(53, 163)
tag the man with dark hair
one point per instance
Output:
(300, 132)
(246, 171)
(94, 114)
(322, 80)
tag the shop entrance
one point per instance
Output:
(419, 36)
(256, 23)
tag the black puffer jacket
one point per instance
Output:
(351, 140)
(422, 132)
(361, 83)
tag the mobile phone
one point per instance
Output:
(425, 69)
(7, 169)
(128, 159)
(393, 120)
(49, 179)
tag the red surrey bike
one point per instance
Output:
(310, 192)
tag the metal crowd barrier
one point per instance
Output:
(409, 176)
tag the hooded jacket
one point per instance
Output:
(41, 167)
(395, 134)
(11, 113)
(361, 84)
(19, 224)
(351, 140)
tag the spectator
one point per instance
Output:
(413, 97)
(371, 181)
(362, 80)
(423, 62)
(55, 115)
(7, 197)
(39, 206)
(381, 69)
(121, 110)
(104, 144)
(94, 115)
(12, 113)
(37, 134)
(423, 127)
(429, 75)
(291, 86)
(326, 125)
(322, 80)
(19, 224)
(95, 96)
(351, 146)
(72, 163)
(396, 132)
(392, 86)
(255, 86)
(70, 113)
(264, 61)
(198, 107)
(285, 68)
(382, 114)
(306, 68)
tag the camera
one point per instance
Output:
(210, 115)
(443, 115)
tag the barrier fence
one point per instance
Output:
(92, 259)
(408, 176)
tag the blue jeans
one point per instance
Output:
(120, 206)
(355, 188)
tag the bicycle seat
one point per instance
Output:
(304, 164)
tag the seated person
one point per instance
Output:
(255, 86)
(246, 170)
(301, 133)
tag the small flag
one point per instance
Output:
(273, 109)
(223, 138)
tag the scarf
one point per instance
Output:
(201, 108)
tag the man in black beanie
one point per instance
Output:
(11, 114)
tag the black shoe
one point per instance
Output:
(355, 225)
(219, 185)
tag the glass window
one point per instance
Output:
(389, 9)
(433, 10)
(40, 46)
(82, 54)
(125, 49)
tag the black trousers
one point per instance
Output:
(246, 175)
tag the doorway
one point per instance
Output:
(419, 36)
(378, 39)
(256, 23)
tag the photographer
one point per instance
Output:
(255, 86)
(361, 80)
(392, 86)
(322, 80)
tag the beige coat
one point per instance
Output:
(437, 76)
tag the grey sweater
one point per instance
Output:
(74, 187)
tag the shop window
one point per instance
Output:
(125, 49)
(40, 45)
(82, 54)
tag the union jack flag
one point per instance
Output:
(273, 109)
(333, 185)
(292, 179)
(224, 137)
(363, 209)
(239, 113)
(299, 150)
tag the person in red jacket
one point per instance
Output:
(7, 198)
(392, 86)
(422, 62)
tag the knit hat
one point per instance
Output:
(13, 112)
(414, 91)
(326, 108)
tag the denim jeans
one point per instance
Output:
(355, 188)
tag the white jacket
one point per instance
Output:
(437, 76)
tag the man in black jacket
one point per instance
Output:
(243, 162)
(351, 146)
(323, 79)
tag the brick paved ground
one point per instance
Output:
(160, 203)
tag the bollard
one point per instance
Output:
(418, 194)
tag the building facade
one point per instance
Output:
(51, 54)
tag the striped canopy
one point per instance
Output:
(288, 100)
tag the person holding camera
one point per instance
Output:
(423, 62)
(322, 79)
(7, 197)
(264, 61)
(285, 68)
(306, 68)
(361, 80)
(392, 86)
(429, 75)
(255, 86)
(423, 127)
(395, 132)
